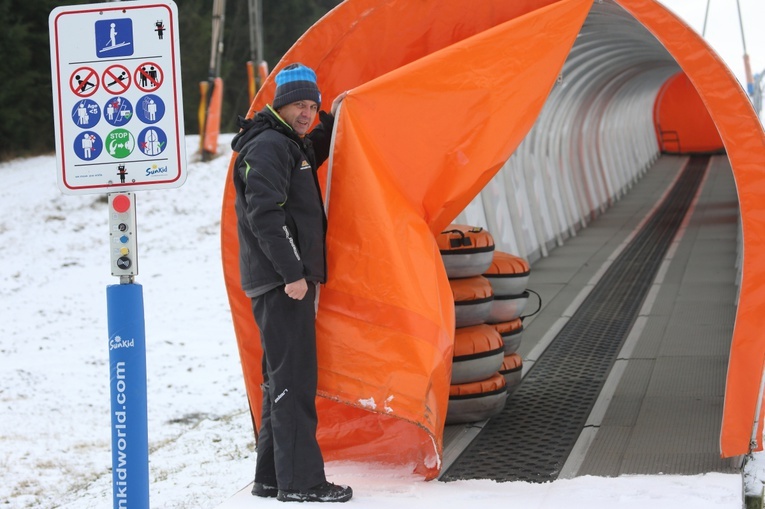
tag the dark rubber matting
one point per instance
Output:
(533, 436)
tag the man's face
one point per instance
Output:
(299, 115)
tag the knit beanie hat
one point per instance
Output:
(296, 82)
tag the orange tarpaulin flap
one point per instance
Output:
(414, 145)
(683, 124)
(742, 135)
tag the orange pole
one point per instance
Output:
(212, 126)
(251, 80)
(262, 72)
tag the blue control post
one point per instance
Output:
(127, 365)
(127, 359)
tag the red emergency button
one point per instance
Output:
(121, 203)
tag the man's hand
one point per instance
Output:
(297, 289)
(337, 101)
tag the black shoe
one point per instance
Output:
(264, 490)
(324, 492)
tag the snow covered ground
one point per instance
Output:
(54, 377)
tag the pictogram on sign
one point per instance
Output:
(150, 109)
(86, 113)
(120, 143)
(88, 146)
(148, 76)
(160, 29)
(114, 38)
(152, 141)
(84, 81)
(116, 79)
(118, 111)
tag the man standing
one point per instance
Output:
(282, 230)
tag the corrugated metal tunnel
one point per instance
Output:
(594, 138)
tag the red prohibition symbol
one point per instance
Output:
(116, 79)
(84, 82)
(148, 76)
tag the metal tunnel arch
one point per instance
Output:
(396, 177)
(592, 140)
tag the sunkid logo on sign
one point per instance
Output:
(156, 170)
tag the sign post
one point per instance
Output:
(118, 116)
(127, 367)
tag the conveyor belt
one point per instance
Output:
(533, 436)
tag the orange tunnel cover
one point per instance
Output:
(683, 124)
(434, 111)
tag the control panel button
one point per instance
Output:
(123, 234)
(121, 203)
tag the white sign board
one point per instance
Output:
(117, 98)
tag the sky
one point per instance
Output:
(723, 31)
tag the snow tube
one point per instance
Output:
(512, 371)
(511, 333)
(467, 251)
(478, 353)
(472, 300)
(505, 308)
(508, 274)
(476, 401)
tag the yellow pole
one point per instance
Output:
(204, 88)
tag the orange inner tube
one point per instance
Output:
(505, 264)
(511, 362)
(495, 383)
(511, 327)
(459, 237)
(471, 288)
(475, 340)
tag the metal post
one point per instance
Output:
(258, 31)
(127, 366)
(747, 66)
(216, 51)
(706, 17)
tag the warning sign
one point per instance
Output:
(117, 98)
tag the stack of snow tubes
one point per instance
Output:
(508, 276)
(489, 289)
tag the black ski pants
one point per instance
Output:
(288, 452)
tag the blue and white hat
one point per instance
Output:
(296, 82)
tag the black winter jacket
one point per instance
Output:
(280, 214)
